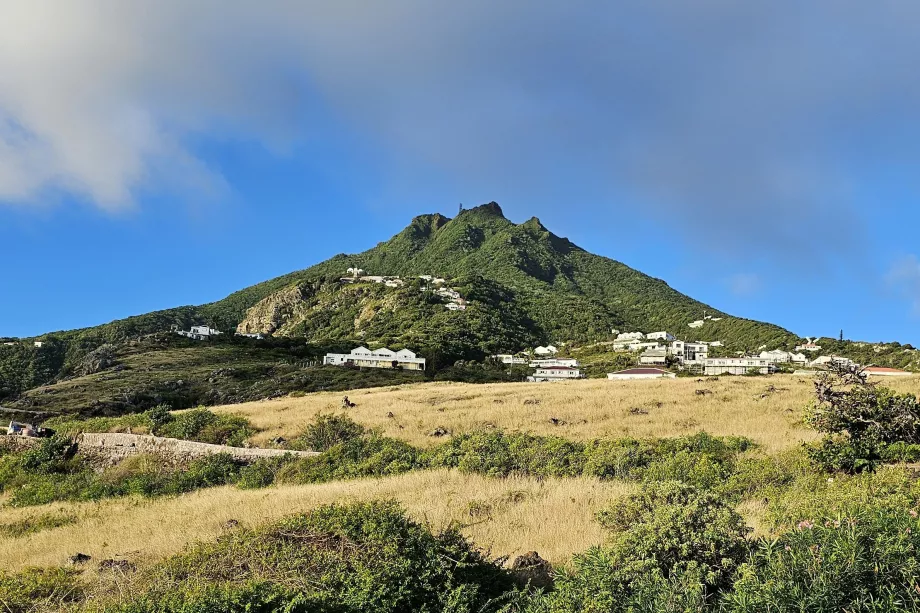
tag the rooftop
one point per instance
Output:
(643, 371)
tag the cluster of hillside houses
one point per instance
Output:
(663, 348)
(206, 333)
(452, 299)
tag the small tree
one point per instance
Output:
(859, 419)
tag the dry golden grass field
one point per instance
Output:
(507, 516)
(767, 410)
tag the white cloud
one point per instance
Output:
(904, 277)
(733, 129)
(744, 285)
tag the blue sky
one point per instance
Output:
(761, 157)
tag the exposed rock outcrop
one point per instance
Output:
(274, 311)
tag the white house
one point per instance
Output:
(737, 366)
(715, 344)
(570, 362)
(548, 350)
(629, 336)
(433, 280)
(379, 358)
(507, 358)
(798, 358)
(555, 373)
(654, 356)
(809, 345)
(199, 333)
(257, 335)
(641, 373)
(661, 336)
(38, 344)
(689, 352)
(777, 356)
(825, 360)
(696, 324)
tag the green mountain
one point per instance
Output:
(523, 286)
(564, 292)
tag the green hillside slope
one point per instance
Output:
(525, 286)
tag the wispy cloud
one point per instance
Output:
(750, 122)
(744, 285)
(904, 277)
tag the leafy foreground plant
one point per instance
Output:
(362, 557)
(672, 548)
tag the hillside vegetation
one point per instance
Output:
(523, 286)
(678, 520)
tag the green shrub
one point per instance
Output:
(199, 425)
(36, 589)
(327, 431)
(50, 456)
(900, 452)
(869, 561)
(672, 548)
(263, 471)
(362, 557)
(372, 456)
(675, 526)
(616, 458)
(499, 454)
(206, 427)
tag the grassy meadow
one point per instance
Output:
(508, 516)
(558, 516)
(766, 410)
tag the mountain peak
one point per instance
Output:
(490, 209)
(534, 223)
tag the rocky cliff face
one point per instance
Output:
(273, 312)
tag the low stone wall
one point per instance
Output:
(116, 447)
(18, 443)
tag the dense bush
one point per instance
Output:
(497, 453)
(326, 431)
(673, 546)
(860, 421)
(206, 427)
(701, 459)
(368, 456)
(362, 557)
(867, 561)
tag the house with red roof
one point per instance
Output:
(882, 371)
